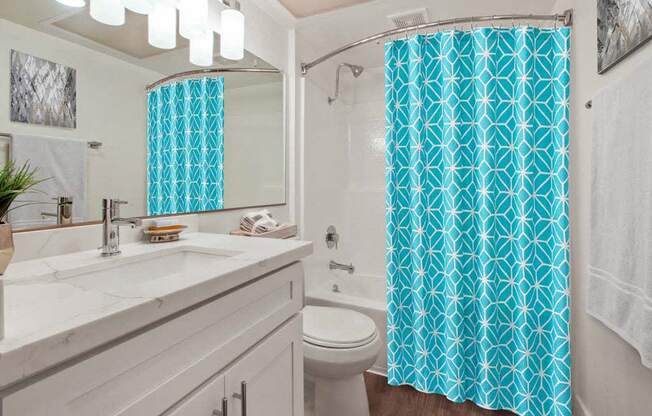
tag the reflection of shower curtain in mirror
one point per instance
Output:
(185, 147)
(477, 217)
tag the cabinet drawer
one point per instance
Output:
(148, 373)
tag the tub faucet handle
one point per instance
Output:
(332, 237)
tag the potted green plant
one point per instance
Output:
(14, 182)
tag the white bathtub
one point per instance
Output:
(362, 293)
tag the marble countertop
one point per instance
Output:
(51, 316)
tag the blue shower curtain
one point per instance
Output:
(477, 217)
(185, 147)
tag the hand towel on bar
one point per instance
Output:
(62, 160)
(620, 282)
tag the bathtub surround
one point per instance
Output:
(620, 285)
(477, 217)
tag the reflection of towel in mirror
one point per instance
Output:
(258, 222)
(61, 160)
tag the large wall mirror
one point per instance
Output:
(98, 112)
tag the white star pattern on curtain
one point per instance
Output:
(477, 217)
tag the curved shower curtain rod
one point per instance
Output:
(209, 71)
(566, 18)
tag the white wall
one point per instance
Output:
(254, 145)
(607, 373)
(111, 108)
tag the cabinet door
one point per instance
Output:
(208, 400)
(268, 381)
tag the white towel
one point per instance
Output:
(620, 285)
(62, 160)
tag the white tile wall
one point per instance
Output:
(345, 165)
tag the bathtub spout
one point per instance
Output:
(333, 265)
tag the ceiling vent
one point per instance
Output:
(409, 18)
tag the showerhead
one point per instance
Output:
(356, 69)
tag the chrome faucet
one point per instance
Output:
(333, 265)
(111, 223)
(64, 210)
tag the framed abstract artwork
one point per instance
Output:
(42, 92)
(623, 27)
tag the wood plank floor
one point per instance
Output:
(385, 400)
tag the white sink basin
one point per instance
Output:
(122, 272)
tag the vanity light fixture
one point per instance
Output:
(73, 3)
(201, 49)
(139, 6)
(109, 12)
(199, 20)
(193, 18)
(162, 26)
(232, 36)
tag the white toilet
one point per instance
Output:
(339, 346)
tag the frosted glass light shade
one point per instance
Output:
(162, 26)
(109, 12)
(232, 36)
(193, 18)
(73, 3)
(201, 49)
(139, 6)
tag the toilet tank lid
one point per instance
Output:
(337, 327)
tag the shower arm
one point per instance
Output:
(566, 18)
(334, 98)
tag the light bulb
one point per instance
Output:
(73, 3)
(193, 18)
(162, 26)
(109, 12)
(232, 36)
(139, 6)
(201, 49)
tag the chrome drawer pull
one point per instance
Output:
(225, 410)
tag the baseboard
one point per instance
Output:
(579, 408)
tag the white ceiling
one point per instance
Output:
(328, 31)
(303, 8)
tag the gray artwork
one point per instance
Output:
(623, 26)
(42, 92)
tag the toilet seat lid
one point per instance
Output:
(336, 327)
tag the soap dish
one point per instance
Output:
(164, 234)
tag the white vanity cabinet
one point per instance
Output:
(242, 347)
(261, 383)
